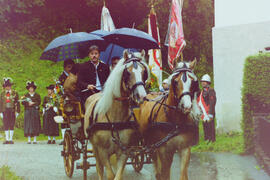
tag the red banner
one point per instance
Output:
(176, 40)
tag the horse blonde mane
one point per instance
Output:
(112, 87)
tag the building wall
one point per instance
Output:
(236, 12)
(231, 45)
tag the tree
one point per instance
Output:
(47, 19)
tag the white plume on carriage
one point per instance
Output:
(112, 87)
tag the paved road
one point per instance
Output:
(42, 161)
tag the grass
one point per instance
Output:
(230, 142)
(7, 174)
(19, 136)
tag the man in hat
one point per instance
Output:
(92, 75)
(165, 85)
(9, 109)
(207, 102)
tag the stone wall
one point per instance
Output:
(262, 139)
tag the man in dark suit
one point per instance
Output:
(207, 103)
(92, 75)
(9, 109)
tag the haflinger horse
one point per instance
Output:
(169, 123)
(124, 86)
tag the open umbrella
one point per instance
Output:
(111, 50)
(131, 38)
(72, 45)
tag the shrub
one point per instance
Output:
(6, 173)
(255, 94)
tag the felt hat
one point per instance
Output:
(7, 82)
(30, 84)
(50, 87)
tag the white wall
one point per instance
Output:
(231, 45)
(236, 12)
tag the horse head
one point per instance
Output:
(184, 84)
(134, 76)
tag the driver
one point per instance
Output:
(92, 75)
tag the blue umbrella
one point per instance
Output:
(131, 38)
(72, 45)
(112, 50)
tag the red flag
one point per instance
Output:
(176, 40)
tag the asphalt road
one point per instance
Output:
(41, 161)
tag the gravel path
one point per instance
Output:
(42, 161)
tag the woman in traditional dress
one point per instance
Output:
(50, 104)
(31, 102)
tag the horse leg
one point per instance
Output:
(163, 162)
(104, 157)
(99, 165)
(185, 158)
(121, 163)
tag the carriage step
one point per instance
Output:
(80, 165)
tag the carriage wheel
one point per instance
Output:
(68, 154)
(137, 161)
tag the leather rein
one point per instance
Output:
(134, 60)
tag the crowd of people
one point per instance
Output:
(91, 77)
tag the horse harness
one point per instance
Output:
(117, 126)
(135, 61)
(194, 85)
(175, 129)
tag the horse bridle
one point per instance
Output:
(177, 71)
(134, 60)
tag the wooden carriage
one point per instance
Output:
(75, 143)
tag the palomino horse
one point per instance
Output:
(167, 122)
(124, 86)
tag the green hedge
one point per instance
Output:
(255, 94)
(7, 174)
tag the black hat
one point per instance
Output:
(7, 82)
(68, 61)
(30, 84)
(50, 87)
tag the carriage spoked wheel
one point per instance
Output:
(68, 150)
(138, 159)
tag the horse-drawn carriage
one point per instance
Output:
(124, 121)
(76, 144)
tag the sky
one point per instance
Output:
(236, 12)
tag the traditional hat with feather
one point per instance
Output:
(50, 87)
(7, 82)
(30, 84)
